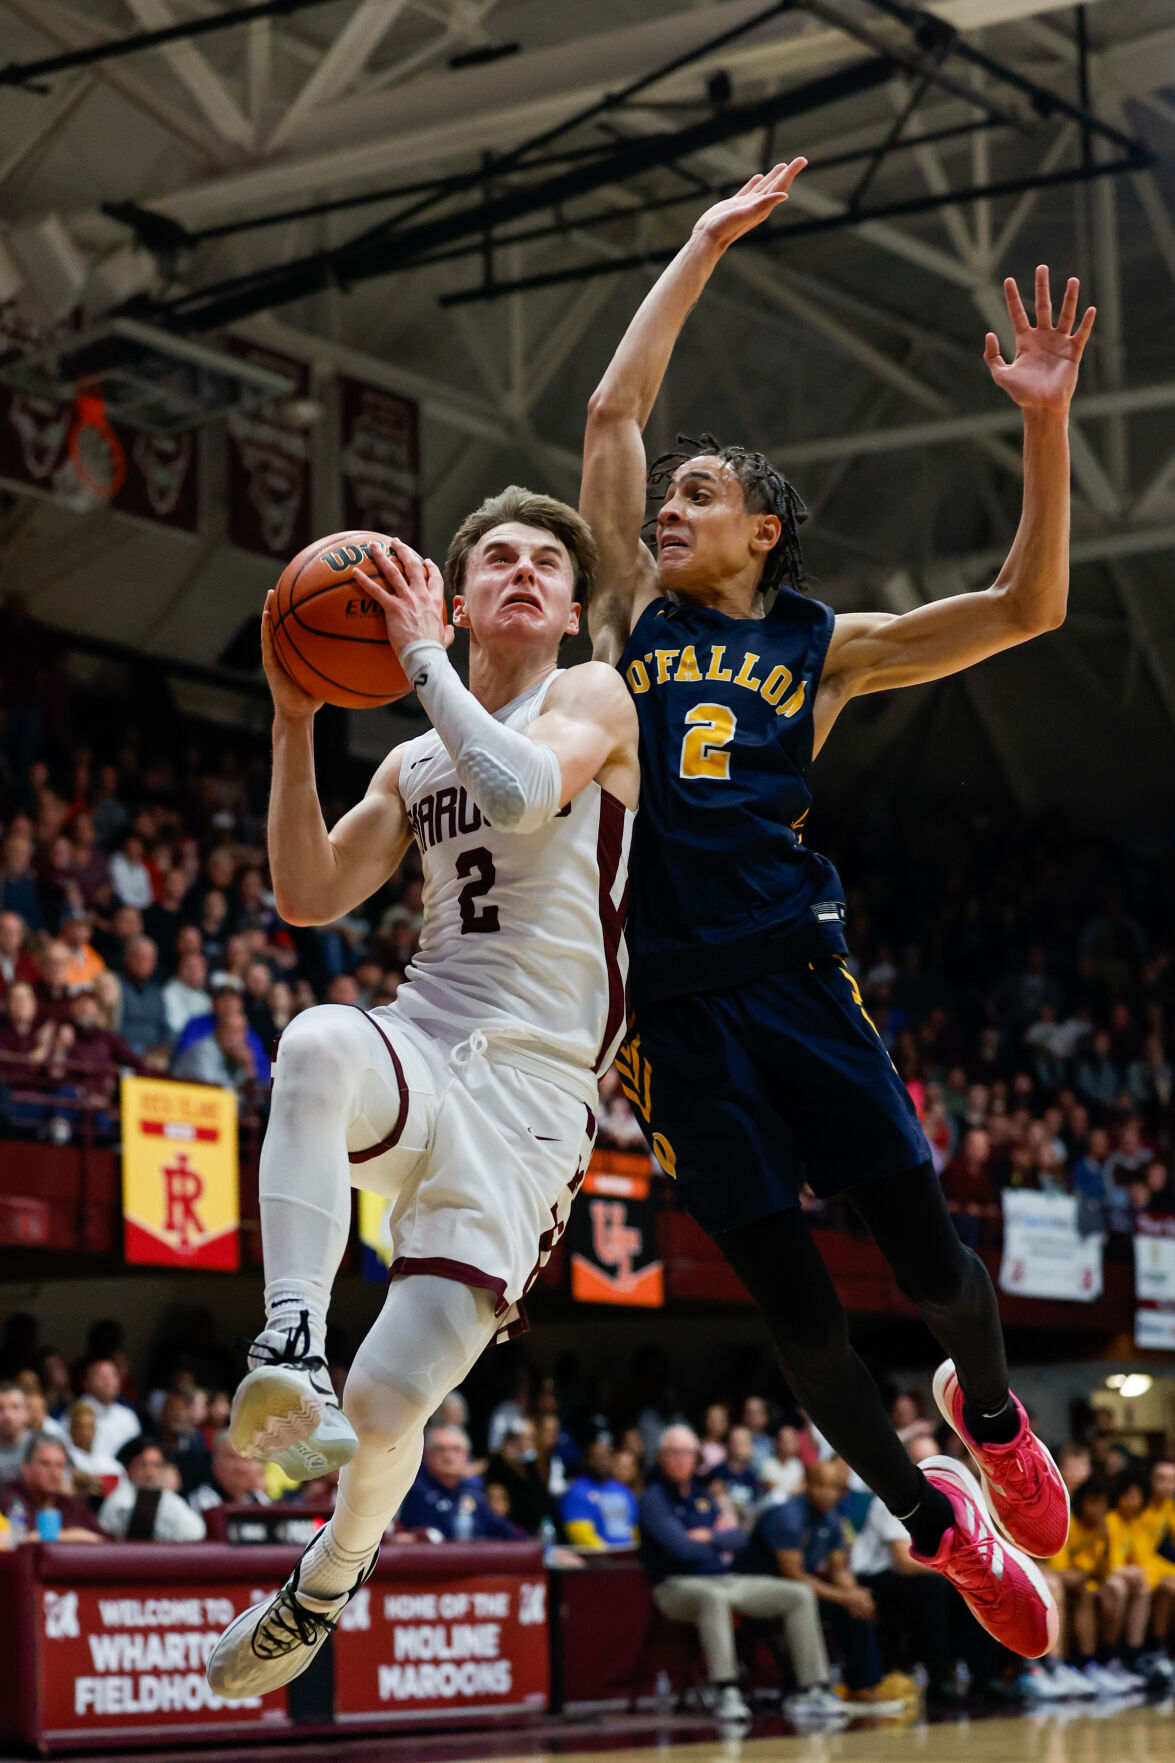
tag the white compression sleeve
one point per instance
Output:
(516, 782)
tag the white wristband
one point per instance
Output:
(516, 782)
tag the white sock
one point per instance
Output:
(286, 1302)
(329, 1570)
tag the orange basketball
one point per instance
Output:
(331, 637)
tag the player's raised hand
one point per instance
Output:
(1042, 374)
(412, 595)
(760, 196)
(289, 700)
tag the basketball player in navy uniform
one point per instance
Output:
(750, 1058)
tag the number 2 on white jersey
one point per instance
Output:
(711, 730)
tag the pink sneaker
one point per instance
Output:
(1002, 1588)
(1028, 1501)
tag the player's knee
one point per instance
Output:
(390, 1405)
(314, 1061)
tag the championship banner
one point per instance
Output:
(269, 482)
(1045, 1255)
(118, 1660)
(380, 460)
(1154, 1282)
(463, 1648)
(375, 1240)
(613, 1235)
(180, 1194)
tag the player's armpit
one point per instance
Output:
(878, 651)
(589, 722)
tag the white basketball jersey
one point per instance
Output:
(523, 934)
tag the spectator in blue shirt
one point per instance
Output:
(738, 1478)
(804, 1542)
(201, 1028)
(446, 1498)
(689, 1553)
(598, 1512)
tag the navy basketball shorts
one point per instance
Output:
(745, 1095)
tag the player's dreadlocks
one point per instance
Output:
(765, 491)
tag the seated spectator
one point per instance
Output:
(715, 1431)
(15, 1431)
(94, 1474)
(85, 963)
(597, 1511)
(16, 961)
(626, 1469)
(233, 1479)
(514, 1466)
(18, 881)
(43, 1485)
(757, 1420)
(113, 942)
(1099, 1080)
(183, 1441)
(226, 1054)
(804, 1541)
(783, 1473)
(695, 1577)
(967, 1184)
(147, 1507)
(1092, 1605)
(1088, 1179)
(228, 1014)
(736, 1478)
(53, 992)
(165, 918)
(557, 1456)
(445, 1499)
(185, 997)
(116, 1424)
(144, 1015)
(1074, 1465)
(1136, 1567)
(26, 1050)
(129, 876)
(40, 1419)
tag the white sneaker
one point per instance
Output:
(1075, 1685)
(816, 1703)
(285, 1410)
(1129, 1680)
(1038, 1685)
(1104, 1682)
(730, 1709)
(271, 1643)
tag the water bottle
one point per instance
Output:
(48, 1524)
(18, 1519)
(463, 1522)
(663, 1693)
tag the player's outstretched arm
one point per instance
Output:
(873, 652)
(612, 495)
(319, 875)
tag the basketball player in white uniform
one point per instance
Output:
(468, 1102)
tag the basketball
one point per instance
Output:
(331, 637)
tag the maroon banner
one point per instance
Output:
(456, 1648)
(380, 460)
(117, 1659)
(162, 481)
(269, 473)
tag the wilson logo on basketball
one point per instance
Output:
(346, 556)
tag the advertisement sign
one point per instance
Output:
(379, 460)
(613, 1235)
(1045, 1256)
(416, 1647)
(1154, 1282)
(180, 1191)
(269, 481)
(117, 1658)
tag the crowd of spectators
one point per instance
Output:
(731, 1509)
(1023, 979)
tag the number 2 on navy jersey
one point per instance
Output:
(710, 731)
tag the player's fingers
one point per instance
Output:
(789, 173)
(450, 636)
(752, 183)
(1085, 327)
(1044, 298)
(1015, 305)
(411, 561)
(371, 584)
(991, 351)
(1068, 310)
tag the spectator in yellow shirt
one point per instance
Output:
(1126, 1593)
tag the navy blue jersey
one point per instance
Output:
(723, 887)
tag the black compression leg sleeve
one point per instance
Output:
(782, 1269)
(950, 1285)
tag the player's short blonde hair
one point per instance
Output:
(528, 508)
